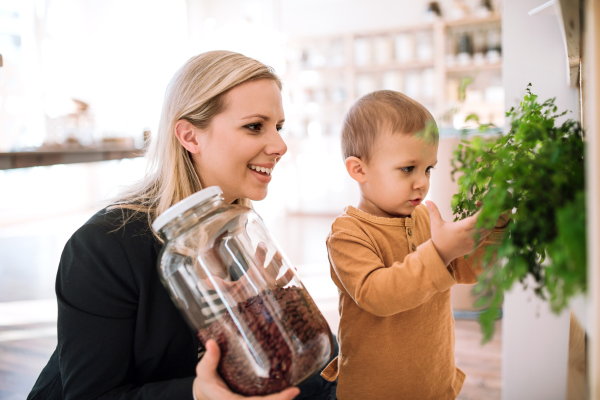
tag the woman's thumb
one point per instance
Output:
(434, 213)
(209, 362)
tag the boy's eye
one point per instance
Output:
(407, 169)
(428, 170)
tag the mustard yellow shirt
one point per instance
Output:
(396, 331)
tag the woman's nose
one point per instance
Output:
(276, 145)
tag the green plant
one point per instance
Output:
(537, 171)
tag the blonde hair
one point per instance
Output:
(196, 93)
(383, 111)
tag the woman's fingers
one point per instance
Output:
(261, 254)
(286, 278)
(287, 394)
(275, 265)
(209, 362)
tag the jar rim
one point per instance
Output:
(182, 206)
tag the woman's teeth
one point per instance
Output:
(266, 171)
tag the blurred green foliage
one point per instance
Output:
(537, 171)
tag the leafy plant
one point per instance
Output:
(537, 171)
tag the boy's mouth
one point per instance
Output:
(416, 201)
(261, 170)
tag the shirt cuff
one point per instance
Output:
(435, 267)
(330, 372)
(497, 236)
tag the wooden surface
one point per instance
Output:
(569, 22)
(576, 370)
(591, 120)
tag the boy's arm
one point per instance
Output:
(386, 290)
(466, 271)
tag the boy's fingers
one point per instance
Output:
(434, 213)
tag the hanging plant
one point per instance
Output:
(537, 171)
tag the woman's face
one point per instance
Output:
(242, 145)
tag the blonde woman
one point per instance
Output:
(119, 334)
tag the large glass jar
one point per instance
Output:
(233, 284)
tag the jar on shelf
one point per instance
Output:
(232, 283)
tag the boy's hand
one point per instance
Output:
(504, 218)
(454, 239)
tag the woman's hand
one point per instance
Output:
(208, 385)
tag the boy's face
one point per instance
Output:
(396, 179)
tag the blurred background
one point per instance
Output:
(81, 87)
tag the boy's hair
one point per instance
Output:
(383, 111)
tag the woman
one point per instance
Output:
(119, 334)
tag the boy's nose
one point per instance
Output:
(421, 183)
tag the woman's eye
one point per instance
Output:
(254, 127)
(279, 128)
(407, 169)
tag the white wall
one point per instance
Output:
(534, 341)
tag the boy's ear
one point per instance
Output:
(356, 168)
(188, 136)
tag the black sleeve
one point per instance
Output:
(97, 307)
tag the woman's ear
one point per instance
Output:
(356, 168)
(187, 134)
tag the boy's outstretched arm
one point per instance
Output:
(385, 290)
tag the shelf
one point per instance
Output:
(475, 68)
(26, 159)
(394, 66)
(320, 70)
(394, 31)
(496, 18)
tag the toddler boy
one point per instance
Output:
(394, 260)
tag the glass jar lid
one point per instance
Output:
(179, 208)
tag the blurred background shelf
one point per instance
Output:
(475, 68)
(25, 159)
(454, 67)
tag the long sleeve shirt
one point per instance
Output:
(396, 331)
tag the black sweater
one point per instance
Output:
(119, 334)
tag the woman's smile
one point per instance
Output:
(262, 172)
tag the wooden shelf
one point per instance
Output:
(475, 68)
(319, 70)
(494, 19)
(26, 159)
(394, 66)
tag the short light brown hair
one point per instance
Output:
(383, 112)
